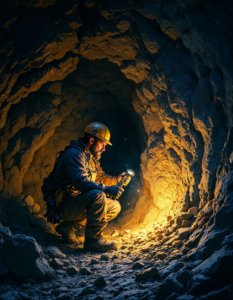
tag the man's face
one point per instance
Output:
(98, 148)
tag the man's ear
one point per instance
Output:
(91, 141)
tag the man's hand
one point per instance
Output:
(114, 191)
(122, 176)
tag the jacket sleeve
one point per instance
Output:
(104, 178)
(76, 170)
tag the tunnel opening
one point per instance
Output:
(99, 91)
(96, 91)
(144, 138)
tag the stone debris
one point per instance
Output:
(186, 216)
(66, 262)
(192, 210)
(138, 265)
(209, 243)
(161, 255)
(176, 243)
(72, 270)
(57, 263)
(72, 261)
(54, 252)
(58, 291)
(199, 284)
(94, 261)
(24, 257)
(185, 223)
(183, 233)
(165, 272)
(115, 257)
(194, 238)
(105, 257)
(184, 276)
(85, 271)
(146, 248)
(151, 272)
(88, 291)
(100, 281)
(168, 287)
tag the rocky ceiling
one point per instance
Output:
(165, 65)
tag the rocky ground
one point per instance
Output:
(188, 258)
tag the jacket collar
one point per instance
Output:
(82, 145)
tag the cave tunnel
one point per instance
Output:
(159, 75)
(95, 91)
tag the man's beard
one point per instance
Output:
(95, 153)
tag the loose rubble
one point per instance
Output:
(24, 257)
(167, 262)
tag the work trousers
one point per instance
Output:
(91, 210)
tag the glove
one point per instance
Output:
(114, 191)
(122, 176)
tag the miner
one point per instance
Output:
(85, 203)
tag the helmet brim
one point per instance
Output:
(99, 137)
(104, 140)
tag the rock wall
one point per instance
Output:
(175, 59)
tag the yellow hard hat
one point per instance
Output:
(99, 130)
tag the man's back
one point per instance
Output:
(76, 168)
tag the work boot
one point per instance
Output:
(68, 234)
(101, 245)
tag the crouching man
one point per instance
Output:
(79, 173)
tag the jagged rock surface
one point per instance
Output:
(24, 258)
(166, 67)
(120, 274)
